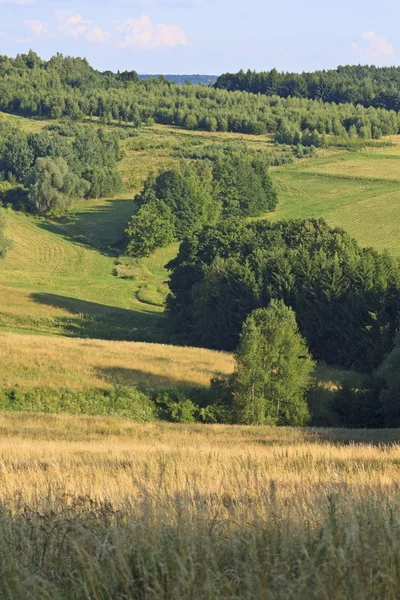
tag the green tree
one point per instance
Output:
(191, 121)
(150, 228)
(17, 158)
(273, 368)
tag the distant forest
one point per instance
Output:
(366, 85)
(67, 87)
(182, 79)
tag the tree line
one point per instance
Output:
(365, 85)
(282, 296)
(69, 87)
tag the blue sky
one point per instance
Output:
(205, 36)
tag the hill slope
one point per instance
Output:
(55, 362)
(64, 276)
(356, 191)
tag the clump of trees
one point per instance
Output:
(56, 166)
(54, 186)
(371, 403)
(346, 298)
(180, 200)
(356, 84)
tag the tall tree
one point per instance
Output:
(273, 368)
(54, 185)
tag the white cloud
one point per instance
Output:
(143, 34)
(37, 28)
(73, 25)
(96, 34)
(375, 49)
(68, 25)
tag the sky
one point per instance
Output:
(205, 36)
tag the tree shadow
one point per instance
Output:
(99, 321)
(345, 437)
(143, 380)
(99, 227)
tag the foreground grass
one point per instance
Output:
(103, 508)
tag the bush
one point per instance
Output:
(121, 401)
(175, 407)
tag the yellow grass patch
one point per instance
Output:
(30, 361)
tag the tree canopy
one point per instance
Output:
(328, 103)
(198, 193)
(346, 298)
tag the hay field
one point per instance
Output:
(30, 361)
(103, 508)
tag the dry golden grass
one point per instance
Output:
(30, 361)
(112, 460)
(107, 509)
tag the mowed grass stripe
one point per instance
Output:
(368, 211)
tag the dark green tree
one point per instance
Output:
(17, 158)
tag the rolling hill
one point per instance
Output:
(65, 277)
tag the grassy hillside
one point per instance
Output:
(356, 191)
(65, 276)
(56, 362)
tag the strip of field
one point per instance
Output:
(64, 279)
(29, 361)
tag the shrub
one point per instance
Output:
(121, 401)
(174, 406)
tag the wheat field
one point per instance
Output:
(107, 509)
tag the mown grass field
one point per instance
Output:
(358, 191)
(105, 508)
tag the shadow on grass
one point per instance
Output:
(93, 320)
(98, 227)
(144, 380)
(343, 437)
